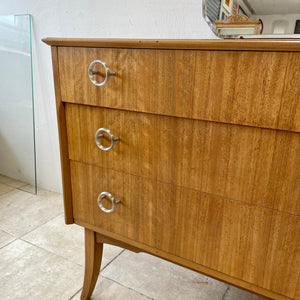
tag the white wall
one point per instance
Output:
(268, 21)
(100, 19)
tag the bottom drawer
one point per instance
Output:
(255, 244)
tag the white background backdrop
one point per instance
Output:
(166, 19)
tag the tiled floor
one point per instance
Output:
(41, 258)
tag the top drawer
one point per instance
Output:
(240, 87)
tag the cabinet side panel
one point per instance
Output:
(63, 145)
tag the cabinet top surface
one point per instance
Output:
(212, 44)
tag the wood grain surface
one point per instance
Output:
(93, 258)
(258, 166)
(124, 242)
(211, 44)
(250, 88)
(257, 245)
(63, 141)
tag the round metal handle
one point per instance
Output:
(91, 73)
(100, 135)
(111, 198)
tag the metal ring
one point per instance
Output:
(91, 73)
(99, 135)
(112, 199)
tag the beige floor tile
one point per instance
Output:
(28, 188)
(5, 189)
(11, 182)
(28, 272)
(21, 212)
(5, 238)
(107, 289)
(234, 293)
(160, 279)
(66, 241)
(49, 194)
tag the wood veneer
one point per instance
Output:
(63, 141)
(249, 88)
(254, 244)
(93, 258)
(250, 164)
(272, 45)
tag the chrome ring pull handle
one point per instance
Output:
(100, 135)
(92, 73)
(104, 195)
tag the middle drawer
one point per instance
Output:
(249, 164)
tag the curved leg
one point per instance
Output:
(93, 257)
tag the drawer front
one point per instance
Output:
(254, 165)
(240, 87)
(257, 245)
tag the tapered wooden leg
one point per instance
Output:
(93, 257)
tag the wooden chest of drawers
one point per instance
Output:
(202, 149)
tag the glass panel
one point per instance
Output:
(17, 138)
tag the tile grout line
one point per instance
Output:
(21, 186)
(8, 243)
(75, 294)
(226, 292)
(101, 270)
(3, 229)
(21, 237)
(27, 191)
(13, 189)
(58, 255)
(108, 277)
(127, 287)
(32, 244)
(42, 224)
(14, 238)
(41, 248)
(119, 282)
(12, 186)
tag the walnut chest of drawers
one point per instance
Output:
(187, 150)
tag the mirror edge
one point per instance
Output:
(206, 19)
(244, 36)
